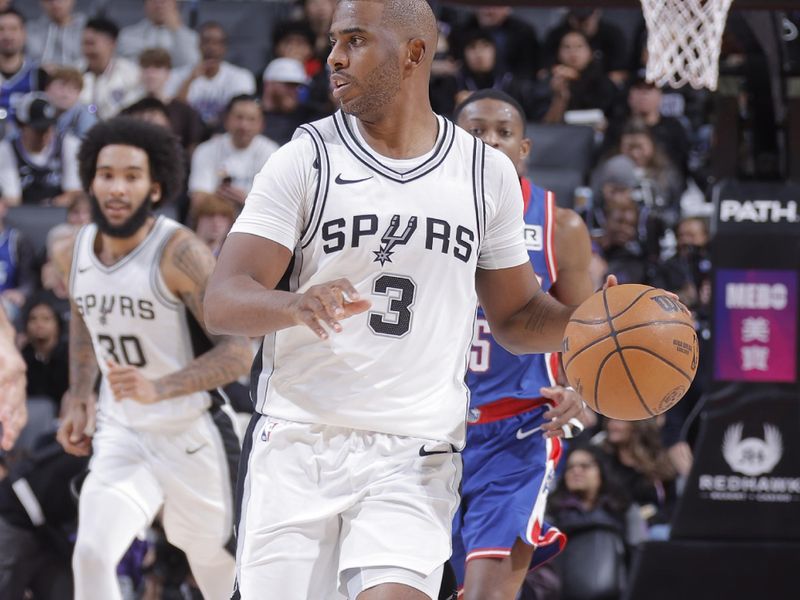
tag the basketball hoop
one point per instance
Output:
(683, 41)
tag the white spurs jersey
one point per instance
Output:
(409, 235)
(134, 319)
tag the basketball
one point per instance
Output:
(630, 351)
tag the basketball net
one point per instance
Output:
(683, 41)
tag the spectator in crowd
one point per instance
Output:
(641, 464)
(515, 41)
(602, 525)
(295, 39)
(162, 27)
(110, 82)
(212, 218)
(612, 178)
(149, 109)
(644, 102)
(620, 243)
(63, 91)
(318, 15)
(55, 37)
(660, 182)
(226, 164)
(480, 70)
(52, 281)
(45, 352)
(281, 99)
(607, 41)
(35, 561)
(18, 76)
(185, 122)
(577, 80)
(17, 270)
(687, 272)
(616, 183)
(209, 86)
(36, 165)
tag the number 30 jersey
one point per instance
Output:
(134, 319)
(409, 235)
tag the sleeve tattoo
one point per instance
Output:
(83, 369)
(229, 358)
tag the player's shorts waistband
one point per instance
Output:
(502, 409)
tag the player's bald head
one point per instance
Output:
(409, 19)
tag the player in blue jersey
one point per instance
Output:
(518, 411)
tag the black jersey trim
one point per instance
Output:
(370, 160)
(230, 445)
(477, 167)
(321, 194)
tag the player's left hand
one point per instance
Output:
(563, 420)
(128, 382)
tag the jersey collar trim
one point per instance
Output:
(372, 160)
(128, 257)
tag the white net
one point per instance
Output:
(683, 41)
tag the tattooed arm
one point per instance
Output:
(521, 316)
(186, 266)
(78, 404)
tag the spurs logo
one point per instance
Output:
(390, 239)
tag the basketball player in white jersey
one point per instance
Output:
(358, 256)
(13, 412)
(162, 443)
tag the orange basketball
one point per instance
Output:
(630, 351)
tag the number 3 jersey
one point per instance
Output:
(409, 235)
(494, 372)
(134, 319)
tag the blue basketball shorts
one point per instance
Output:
(509, 467)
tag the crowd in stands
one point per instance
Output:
(642, 199)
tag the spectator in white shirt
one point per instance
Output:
(110, 83)
(210, 85)
(162, 27)
(226, 164)
(36, 165)
(55, 37)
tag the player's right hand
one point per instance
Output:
(328, 303)
(77, 424)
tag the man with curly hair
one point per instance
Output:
(164, 442)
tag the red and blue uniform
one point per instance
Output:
(508, 464)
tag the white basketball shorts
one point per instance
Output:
(323, 504)
(187, 473)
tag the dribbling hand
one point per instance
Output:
(328, 303)
(564, 419)
(77, 424)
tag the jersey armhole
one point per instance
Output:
(322, 162)
(160, 290)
